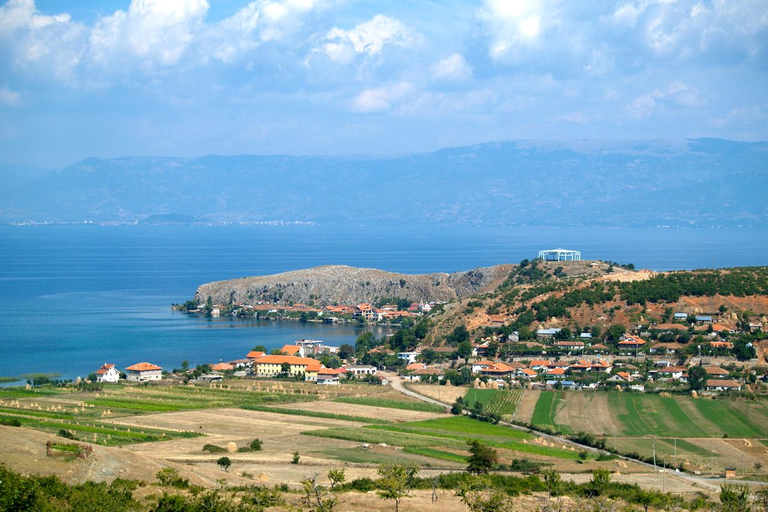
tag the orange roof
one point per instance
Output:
(314, 367)
(528, 371)
(415, 366)
(556, 371)
(719, 383)
(330, 371)
(299, 361)
(290, 350)
(624, 375)
(254, 354)
(538, 362)
(104, 369)
(222, 367)
(716, 370)
(483, 363)
(632, 340)
(723, 344)
(719, 327)
(143, 367)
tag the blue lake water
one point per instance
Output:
(75, 297)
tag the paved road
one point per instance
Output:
(397, 384)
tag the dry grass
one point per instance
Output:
(446, 394)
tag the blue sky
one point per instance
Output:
(113, 78)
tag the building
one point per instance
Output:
(292, 350)
(723, 385)
(144, 372)
(410, 357)
(329, 376)
(361, 369)
(271, 366)
(107, 373)
(255, 354)
(559, 255)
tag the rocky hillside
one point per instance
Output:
(348, 285)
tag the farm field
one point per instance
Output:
(710, 434)
(495, 401)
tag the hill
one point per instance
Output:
(702, 182)
(348, 285)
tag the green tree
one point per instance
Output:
(224, 463)
(615, 332)
(316, 497)
(735, 498)
(482, 457)
(493, 349)
(553, 481)
(185, 365)
(459, 335)
(260, 348)
(479, 495)
(601, 478)
(256, 445)
(296, 457)
(337, 477)
(464, 350)
(697, 377)
(395, 482)
(285, 369)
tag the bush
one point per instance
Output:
(10, 423)
(256, 444)
(66, 434)
(212, 448)
(169, 477)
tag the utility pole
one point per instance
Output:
(654, 457)
(712, 462)
(675, 452)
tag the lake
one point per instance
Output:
(76, 297)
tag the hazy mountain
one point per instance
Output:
(702, 182)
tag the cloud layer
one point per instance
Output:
(352, 77)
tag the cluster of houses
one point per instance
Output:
(366, 311)
(292, 361)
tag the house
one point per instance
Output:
(271, 366)
(419, 374)
(415, 366)
(107, 373)
(570, 345)
(408, 356)
(716, 371)
(222, 367)
(581, 366)
(599, 348)
(292, 350)
(210, 377)
(527, 373)
(538, 364)
(557, 373)
(667, 348)
(477, 366)
(255, 354)
(365, 311)
(601, 366)
(703, 319)
(681, 316)
(144, 372)
(329, 376)
(498, 370)
(361, 369)
(631, 342)
(547, 333)
(621, 377)
(721, 344)
(723, 385)
(673, 372)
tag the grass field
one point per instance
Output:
(495, 401)
(390, 403)
(453, 432)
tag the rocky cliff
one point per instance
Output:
(348, 285)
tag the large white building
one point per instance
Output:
(107, 373)
(144, 372)
(559, 255)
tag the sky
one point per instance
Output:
(109, 78)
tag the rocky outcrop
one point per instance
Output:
(349, 285)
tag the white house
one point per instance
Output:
(107, 373)
(410, 357)
(144, 372)
(361, 369)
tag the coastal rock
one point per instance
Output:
(339, 284)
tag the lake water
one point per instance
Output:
(75, 297)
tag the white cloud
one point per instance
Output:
(382, 98)
(156, 31)
(453, 68)
(259, 22)
(676, 94)
(9, 98)
(367, 38)
(516, 24)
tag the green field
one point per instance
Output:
(643, 414)
(440, 433)
(495, 401)
(390, 403)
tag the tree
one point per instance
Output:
(395, 482)
(460, 334)
(697, 377)
(296, 457)
(185, 365)
(735, 498)
(256, 444)
(615, 332)
(260, 348)
(224, 463)
(601, 478)
(316, 497)
(458, 406)
(337, 477)
(493, 349)
(464, 350)
(208, 305)
(480, 496)
(346, 351)
(553, 481)
(482, 457)
(285, 369)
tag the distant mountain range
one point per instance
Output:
(698, 182)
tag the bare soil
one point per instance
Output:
(446, 394)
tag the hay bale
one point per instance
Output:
(263, 477)
(231, 447)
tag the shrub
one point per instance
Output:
(66, 434)
(10, 423)
(212, 448)
(256, 444)
(170, 477)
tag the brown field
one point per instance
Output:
(364, 411)
(446, 394)
(524, 411)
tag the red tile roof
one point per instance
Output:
(104, 369)
(299, 361)
(255, 354)
(143, 367)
